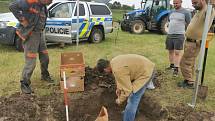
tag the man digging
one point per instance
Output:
(133, 74)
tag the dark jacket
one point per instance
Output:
(31, 11)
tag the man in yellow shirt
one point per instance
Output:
(193, 42)
(132, 73)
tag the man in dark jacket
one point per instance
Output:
(32, 15)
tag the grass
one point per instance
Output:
(118, 14)
(149, 44)
(4, 4)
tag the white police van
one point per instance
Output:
(95, 20)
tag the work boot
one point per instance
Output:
(182, 84)
(190, 85)
(175, 72)
(186, 84)
(26, 88)
(47, 78)
(171, 67)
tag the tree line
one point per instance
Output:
(117, 5)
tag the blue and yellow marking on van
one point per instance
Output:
(84, 30)
(58, 23)
(11, 23)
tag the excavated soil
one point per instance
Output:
(85, 106)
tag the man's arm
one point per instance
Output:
(19, 8)
(188, 17)
(124, 86)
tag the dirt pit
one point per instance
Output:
(85, 106)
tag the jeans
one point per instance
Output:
(132, 104)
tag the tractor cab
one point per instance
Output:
(152, 16)
(155, 7)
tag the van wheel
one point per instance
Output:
(96, 35)
(18, 44)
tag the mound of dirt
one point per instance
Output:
(85, 106)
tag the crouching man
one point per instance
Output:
(132, 73)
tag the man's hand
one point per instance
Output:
(118, 92)
(24, 22)
(120, 96)
(118, 101)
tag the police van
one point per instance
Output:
(63, 25)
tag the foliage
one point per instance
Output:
(118, 5)
(4, 6)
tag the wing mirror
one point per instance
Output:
(50, 14)
(157, 2)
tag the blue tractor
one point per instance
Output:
(152, 17)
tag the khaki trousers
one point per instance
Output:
(191, 51)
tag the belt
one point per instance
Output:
(191, 40)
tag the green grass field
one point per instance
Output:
(4, 6)
(150, 45)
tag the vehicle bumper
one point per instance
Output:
(7, 35)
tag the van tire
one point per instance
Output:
(18, 44)
(96, 36)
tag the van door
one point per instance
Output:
(83, 21)
(58, 25)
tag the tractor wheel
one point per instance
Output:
(123, 28)
(18, 44)
(97, 35)
(164, 28)
(137, 27)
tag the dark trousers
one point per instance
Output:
(35, 45)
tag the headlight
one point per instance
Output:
(3, 24)
(125, 17)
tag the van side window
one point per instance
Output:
(81, 10)
(99, 10)
(62, 11)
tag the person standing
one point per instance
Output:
(193, 42)
(32, 15)
(133, 74)
(178, 21)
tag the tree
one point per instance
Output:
(116, 5)
(126, 7)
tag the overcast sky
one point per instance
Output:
(185, 4)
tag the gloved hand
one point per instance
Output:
(121, 96)
(118, 102)
(118, 92)
(24, 22)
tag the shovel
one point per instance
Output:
(203, 90)
(103, 115)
